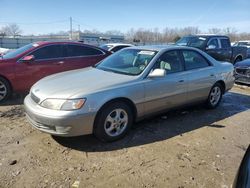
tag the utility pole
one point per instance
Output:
(71, 31)
(79, 28)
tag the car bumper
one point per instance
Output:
(59, 123)
(242, 79)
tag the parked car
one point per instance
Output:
(114, 47)
(217, 46)
(21, 68)
(245, 43)
(242, 72)
(125, 87)
(242, 179)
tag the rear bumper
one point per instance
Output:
(58, 123)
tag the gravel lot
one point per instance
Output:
(192, 147)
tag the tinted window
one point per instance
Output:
(194, 60)
(48, 52)
(170, 61)
(77, 50)
(213, 42)
(225, 43)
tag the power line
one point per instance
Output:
(35, 23)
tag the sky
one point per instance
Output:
(51, 16)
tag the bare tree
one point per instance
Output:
(12, 30)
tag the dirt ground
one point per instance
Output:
(193, 147)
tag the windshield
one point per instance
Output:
(197, 42)
(127, 61)
(15, 53)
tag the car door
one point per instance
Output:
(168, 91)
(226, 49)
(48, 60)
(214, 50)
(81, 56)
(200, 75)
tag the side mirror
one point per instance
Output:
(157, 73)
(28, 58)
(210, 47)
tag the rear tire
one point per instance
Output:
(215, 96)
(5, 89)
(113, 122)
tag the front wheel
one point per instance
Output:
(215, 96)
(5, 89)
(113, 122)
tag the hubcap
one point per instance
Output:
(116, 122)
(215, 95)
(3, 90)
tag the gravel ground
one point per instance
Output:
(192, 147)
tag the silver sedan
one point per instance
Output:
(126, 87)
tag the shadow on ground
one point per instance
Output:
(166, 126)
(16, 99)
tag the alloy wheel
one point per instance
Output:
(116, 122)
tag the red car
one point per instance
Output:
(21, 68)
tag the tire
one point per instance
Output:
(215, 96)
(113, 122)
(5, 89)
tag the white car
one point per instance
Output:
(114, 47)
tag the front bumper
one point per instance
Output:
(242, 75)
(59, 123)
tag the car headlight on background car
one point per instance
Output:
(63, 104)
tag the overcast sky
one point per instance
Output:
(46, 16)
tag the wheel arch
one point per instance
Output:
(125, 100)
(222, 83)
(4, 77)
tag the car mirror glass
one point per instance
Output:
(211, 47)
(28, 58)
(157, 73)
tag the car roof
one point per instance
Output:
(119, 44)
(161, 47)
(207, 35)
(57, 42)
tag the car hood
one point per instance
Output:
(78, 83)
(245, 63)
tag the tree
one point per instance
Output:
(11, 30)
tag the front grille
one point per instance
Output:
(243, 71)
(34, 98)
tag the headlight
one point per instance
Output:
(62, 104)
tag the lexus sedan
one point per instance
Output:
(21, 68)
(125, 87)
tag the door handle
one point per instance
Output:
(181, 81)
(211, 75)
(60, 63)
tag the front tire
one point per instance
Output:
(113, 122)
(5, 89)
(215, 96)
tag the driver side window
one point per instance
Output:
(213, 42)
(170, 61)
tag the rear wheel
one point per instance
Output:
(215, 96)
(5, 89)
(113, 122)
